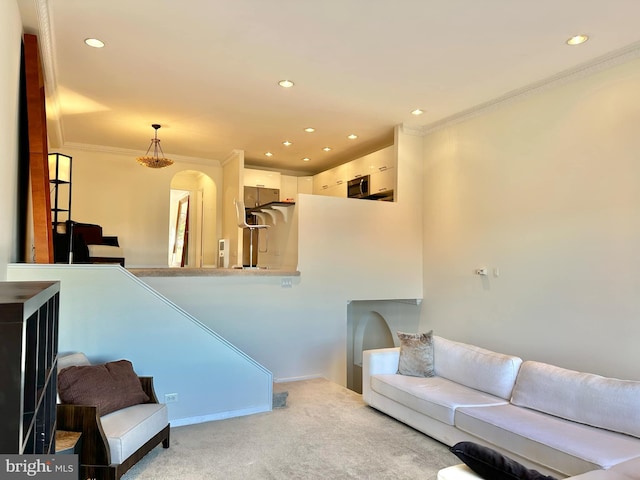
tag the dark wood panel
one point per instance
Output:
(38, 150)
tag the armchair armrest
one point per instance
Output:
(147, 386)
(85, 419)
(376, 362)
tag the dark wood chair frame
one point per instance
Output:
(95, 456)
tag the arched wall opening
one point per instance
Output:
(374, 324)
(193, 232)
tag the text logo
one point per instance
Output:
(39, 467)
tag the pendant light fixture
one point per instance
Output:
(157, 160)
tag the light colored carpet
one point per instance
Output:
(325, 432)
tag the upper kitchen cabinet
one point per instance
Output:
(262, 178)
(382, 184)
(375, 162)
(332, 182)
(379, 166)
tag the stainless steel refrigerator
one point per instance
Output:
(256, 197)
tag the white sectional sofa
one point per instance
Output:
(560, 422)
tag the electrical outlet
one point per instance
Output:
(170, 397)
(287, 282)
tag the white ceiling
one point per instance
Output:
(208, 70)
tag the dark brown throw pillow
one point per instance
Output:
(110, 386)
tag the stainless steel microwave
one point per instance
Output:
(358, 187)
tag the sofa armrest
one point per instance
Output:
(85, 419)
(376, 362)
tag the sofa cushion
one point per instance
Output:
(435, 397)
(493, 465)
(416, 354)
(582, 397)
(564, 446)
(457, 472)
(602, 475)
(129, 428)
(475, 367)
(109, 386)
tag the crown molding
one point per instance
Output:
(611, 59)
(414, 130)
(233, 154)
(125, 152)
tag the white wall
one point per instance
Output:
(547, 189)
(108, 314)
(10, 38)
(129, 200)
(348, 250)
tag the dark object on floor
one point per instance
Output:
(280, 399)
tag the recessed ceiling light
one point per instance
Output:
(286, 83)
(309, 129)
(577, 39)
(269, 154)
(306, 159)
(352, 136)
(94, 42)
(327, 149)
(286, 143)
(417, 111)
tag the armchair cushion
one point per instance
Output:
(129, 428)
(110, 386)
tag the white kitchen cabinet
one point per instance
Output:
(332, 182)
(262, 178)
(372, 163)
(380, 165)
(321, 182)
(382, 181)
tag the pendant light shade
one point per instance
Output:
(157, 159)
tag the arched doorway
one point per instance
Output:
(370, 330)
(192, 221)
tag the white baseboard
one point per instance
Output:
(181, 422)
(297, 379)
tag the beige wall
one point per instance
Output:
(10, 38)
(129, 201)
(547, 190)
(233, 188)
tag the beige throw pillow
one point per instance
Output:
(416, 354)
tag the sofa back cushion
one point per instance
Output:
(475, 367)
(585, 398)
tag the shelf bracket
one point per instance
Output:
(271, 214)
(283, 210)
(261, 216)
